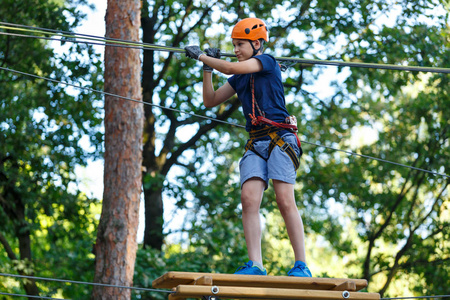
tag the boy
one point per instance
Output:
(272, 152)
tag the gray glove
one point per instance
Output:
(193, 52)
(212, 52)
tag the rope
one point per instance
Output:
(86, 283)
(217, 120)
(416, 297)
(254, 103)
(364, 65)
(71, 35)
(147, 289)
(146, 46)
(118, 96)
(96, 40)
(72, 41)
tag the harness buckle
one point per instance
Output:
(285, 146)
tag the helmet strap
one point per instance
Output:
(255, 51)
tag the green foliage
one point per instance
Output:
(396, 212)
(369, 218)
(45, 131)
(152, 263)
(363, 218)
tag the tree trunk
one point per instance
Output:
(13, 205)
(116, 244)
(154, 221)
(156, 166)
(23, 233)
(153, 234)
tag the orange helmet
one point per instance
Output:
(250, 29)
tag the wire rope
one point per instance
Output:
(120, 97)
(96, 40)
(84, 282)
(72, 41)
(148, 289)
(71, 35)
(146, 46)
(217, 120)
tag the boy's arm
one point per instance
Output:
(213, 98)
(251, 65)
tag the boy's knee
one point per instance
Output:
(285, 203)
(251, 193)
(249, 201)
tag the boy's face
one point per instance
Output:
(243, 49)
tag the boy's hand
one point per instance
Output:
(193, 52)
(212, 52)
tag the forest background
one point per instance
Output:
(364, 218)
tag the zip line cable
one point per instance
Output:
(158, 290)
(66, 36)
(217, 120)
(71, 35)
(146, 46)
(71, 41)
(148, 289)
(86, 283)
(97, 40)
(121, 97)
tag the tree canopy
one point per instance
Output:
(366, 218)
(377, 218)
(45, 132)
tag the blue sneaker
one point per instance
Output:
(250, 269)
(300, 270)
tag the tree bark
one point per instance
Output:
(116, 244)
(23, 233)
(13, 205)
(153, 235)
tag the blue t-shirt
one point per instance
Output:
(269, 91)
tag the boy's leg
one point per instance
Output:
(251, 197)
(284, 193)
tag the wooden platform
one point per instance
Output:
(230, 286)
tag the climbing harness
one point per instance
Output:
(276, 140)
(290, 122)
(272, 130)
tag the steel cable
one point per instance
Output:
(216, 120)
(146, 46)
(148, 289)
(84, 282)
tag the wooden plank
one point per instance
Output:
(232, 292)
(204, 280)
(346, 286)
(173, 279)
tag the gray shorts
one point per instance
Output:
(278, 166)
